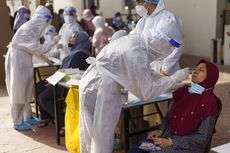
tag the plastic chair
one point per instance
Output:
(219, 104)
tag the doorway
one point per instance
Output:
(90, 3)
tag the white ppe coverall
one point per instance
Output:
(19, 66)
(101, 35)
(123, 62)
(169, 64)
(67, 30)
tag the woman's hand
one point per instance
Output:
(163, 142)
(154, 134)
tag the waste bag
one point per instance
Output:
(72, 121)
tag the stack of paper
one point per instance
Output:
(73, 74)
(55, 78)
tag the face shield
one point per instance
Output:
(159, 45)
(163, 39)
(42, 18)
(69, 15)
(50, 33)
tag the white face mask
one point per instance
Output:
(26, 16)
(87, 18)
(68, 19)
(141, 10)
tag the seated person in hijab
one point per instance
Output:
(79, 46)
(189, 124)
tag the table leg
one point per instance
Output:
(126, 129)
(159, 111)
(56, 115)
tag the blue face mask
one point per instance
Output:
(196, 88)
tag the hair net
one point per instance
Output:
(43, 13)
(23, 15)
(98, 22)
(69, 11)
(152, 1)
(118, 34)
(23, 10)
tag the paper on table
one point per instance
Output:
(73, 82)
(222, 149)
(70, 71)
(56, 77)
(55, 60)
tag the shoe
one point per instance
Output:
(33, 121)
(23, 127)
(44, 123)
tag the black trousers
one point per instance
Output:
(45, 100)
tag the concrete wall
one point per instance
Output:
(5, 36)
(199, 19)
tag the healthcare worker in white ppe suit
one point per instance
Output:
(152, 11)
(19, 67)
(124, 63)
(66, 31)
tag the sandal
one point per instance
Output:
(44, 123)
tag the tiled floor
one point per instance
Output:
(43, 140)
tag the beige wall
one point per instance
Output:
(199, 19)
(5, 34)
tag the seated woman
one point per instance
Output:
(79, 46)
(189, 124)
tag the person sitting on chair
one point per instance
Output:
(79, 46)
(189, 124)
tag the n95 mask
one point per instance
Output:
(68, 19)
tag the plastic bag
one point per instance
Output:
(72, 121)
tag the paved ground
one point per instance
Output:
(43, 140)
